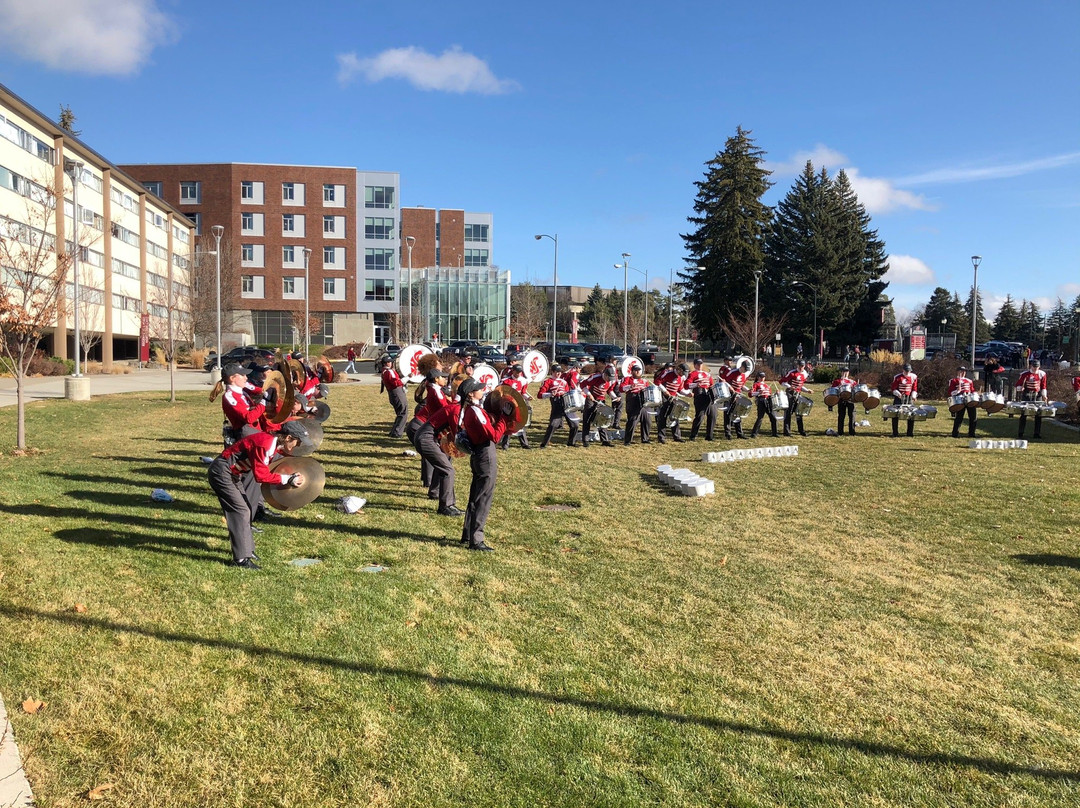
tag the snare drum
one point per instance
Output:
(779, 400)
(974, 399)
(741, 406)
(573, 401)
(862, 392)
(803, 405)
(605, 416)
(679, 407)
(957, 402)
(832, 396)
(720, 392)
(653, 397)
(873, 399)
(993, 402)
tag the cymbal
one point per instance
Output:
(504, 392)
(322, 411)
(314, 441)
(288, 498)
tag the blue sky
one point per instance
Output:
(959, 122)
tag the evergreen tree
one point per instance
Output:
(940, 307)
(1007, 323)
(595, 308)
(982, 327)
(1058, 326)
(731, 223)
(1031, 325)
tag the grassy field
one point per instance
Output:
(876, 622)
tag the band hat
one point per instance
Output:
(469, 386)
(233, 369)
(294, 429)
(760, 374)
(961, 369)
(699, 361)
(435, 374)
(1035, 363)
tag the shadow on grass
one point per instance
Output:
(873, 748)
(54, 513)
(103, 537)
(1048, 560)
(168, 483)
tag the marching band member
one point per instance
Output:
(235, 476)
(672, 382)
(395, 391)
(700, 383)
(515, 377)
(633, 388)
(959, 386)
(484, 431)
(763, 393)
(846, 407)
(442, 419)
(905, 390)
(795, 383)
(596, 388)
(573, 375)
(736, 377)
(242, 404)
(554, 388)
(991, 368)
(1031, 386)
(1076, 384)
(434, 400)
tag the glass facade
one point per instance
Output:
(459, 302)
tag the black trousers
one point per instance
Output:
(1023, 417)
(587, 417)
(789, 412)
(704, 410)
(662, 418)
(958, 418)
(617, 405)
(485, 469)
(238, 498)
(764, 407)
(730, 420)
(425, 467)
(636, 414)
(845, 409)
(896, 421)
(558, 416)
(401, 411)
(442, 467)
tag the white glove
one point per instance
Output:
(914, 396)
(508, 408)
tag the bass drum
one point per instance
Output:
(408, 361)
(628, 363)
(487, 376)
(535, 366)
(679, 408)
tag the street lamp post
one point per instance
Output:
(975, 261)
(625, 299)
(75, 168)
(218, 231)
(670, 309)
(645, 275)
(814, 290)
(757, 283)
(307, 302)
(409, 242)
(554, 288)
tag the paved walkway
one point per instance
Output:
(14, 789)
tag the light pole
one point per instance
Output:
(554, 288)
(814, 290)
(218, 231)
(975, 261)
(307, 302)
(75, 168)
(646, 276)
(944, 320)
(625, 299)
(757, 283)
(409, 242)
(671, 300)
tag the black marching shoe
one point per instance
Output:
(431, 495)
(256, 529)
(245, 564)
(450, 511)
(481, 547)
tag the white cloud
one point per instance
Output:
(908, 270)
(944, 176)
(454, 71)
(113, 37)
(821, 156)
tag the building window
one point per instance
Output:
(378, 260)
(476, 232)
(247, 221)
(288, 192)
(153, 187)
(328, 193)
(189, 192)
(288, 286)
(196, 219)
(288, 223)
(247, 284)
(476, 258)
(376, 227)
(247, 189)
(378, 289)
(329, 287)
(328, 255)
(247, 252)
(288, 255)
(378, 196)
(328, 224)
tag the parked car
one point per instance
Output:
(604, 349)
(463, 347)
(515, 352)
(647, 353)
(566, 352)
(392, 349)
(242, 354)
(490, 354)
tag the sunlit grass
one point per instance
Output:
(875, 622)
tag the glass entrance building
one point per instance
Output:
(457, 303)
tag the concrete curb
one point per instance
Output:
(14, 788)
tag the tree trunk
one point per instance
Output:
(20, 405)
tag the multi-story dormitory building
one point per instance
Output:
(134, 249)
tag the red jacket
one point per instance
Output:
(761, 389)
(698, 381)
(597, 386)
(795, 380)
(671, 381)
(1032, 381)
(483, 427)
(391, 380)
(553, 387)
(632, 385)
(238, 408)
(904, 384)
(960, 385)
(737, 379)
(445, 418)
(254, 454)
(845, 384)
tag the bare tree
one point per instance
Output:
(739, 328)
(204, 289)
(314, 322)
(529, 316)
(90, 305)
(34, 273)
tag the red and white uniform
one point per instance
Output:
(845, 384)
(795, 380)
(761, 390)
(1076, 384)
(961, 385)
(737, 379)
(238, 409)
(435, 400)
(632, 385)
(483, 427)
(518, 384)
(254, 454)
(698, 380)
(553, 387)
(597, 387)
(905, 384)
(390, 379)
(1032, 382)
(445, 418)
(572, 378)
(671, 381)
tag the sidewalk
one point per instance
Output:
(14, 789)
(40, 388)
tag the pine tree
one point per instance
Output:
(982, 327)
(1007, 323)
(594, 310)
(731, 223)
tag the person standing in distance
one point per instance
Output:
(905, 390)
(484, 431)
(700, 382)
(395, 390)
(1031, 386)
(960, 385)
(795, 383)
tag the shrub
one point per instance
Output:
(50, 365)
(197, 357)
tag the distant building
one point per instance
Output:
(134, 248)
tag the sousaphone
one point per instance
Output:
(499, 396)
(288, 498)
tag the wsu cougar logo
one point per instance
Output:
(534, 367)
(413, 369)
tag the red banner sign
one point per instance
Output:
(144, 338)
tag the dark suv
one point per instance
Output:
(464, 347)
(243, 354)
